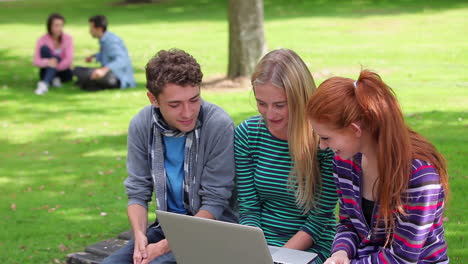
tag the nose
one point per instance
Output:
(270, 113)
(187, 111)
(323, 145)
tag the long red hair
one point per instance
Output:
(369, 101)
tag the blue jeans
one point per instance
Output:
(125, 254)
(47, 74)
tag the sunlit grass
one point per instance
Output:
(63, 154)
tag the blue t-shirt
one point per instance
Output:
(174, 164)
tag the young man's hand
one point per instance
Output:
(99, 73)
(155, 250)
(89, 58)
(140, 252)
(339, 257)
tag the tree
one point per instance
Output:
(246, 36)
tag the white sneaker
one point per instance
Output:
(56, 82)
(42, 88)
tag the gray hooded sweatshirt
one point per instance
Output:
(213, 190)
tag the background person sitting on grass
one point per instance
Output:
(116, 69)
(53, 55)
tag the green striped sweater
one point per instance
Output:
(265, 198)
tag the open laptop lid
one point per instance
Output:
(196, 240)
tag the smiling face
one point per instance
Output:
(345, 142)
(56, 27)
(179, 105)
(272, 104)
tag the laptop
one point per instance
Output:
(195, 240)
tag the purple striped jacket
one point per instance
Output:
(418, 236)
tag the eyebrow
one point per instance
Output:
(279, 102)
(179, 101)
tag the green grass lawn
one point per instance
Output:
(63, 154)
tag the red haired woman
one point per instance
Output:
(391, 181)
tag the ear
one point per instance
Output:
(152, 99)
(356, 129)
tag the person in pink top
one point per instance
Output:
(54, 55)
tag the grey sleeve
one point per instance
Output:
(139, 183)
(217, 178)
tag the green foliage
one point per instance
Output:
(63, 154)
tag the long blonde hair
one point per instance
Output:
(284, 69)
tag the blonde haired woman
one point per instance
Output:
(285, 183)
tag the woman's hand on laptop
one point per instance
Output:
(140, 251)
(155, 250)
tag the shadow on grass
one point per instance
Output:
(50, 154)
(19, 104)
(55, 169)
(16, 71)
(447, 131)
(69, 100)
(64, 192)
(64, 186)
(77, 12)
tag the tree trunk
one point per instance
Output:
(246, 36)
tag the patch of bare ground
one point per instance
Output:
(220, 83)
(223, 84)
